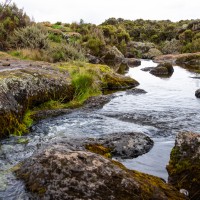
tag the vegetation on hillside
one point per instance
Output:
(63, 42)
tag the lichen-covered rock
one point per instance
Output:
(172, 47)
(58, 173)
(163, 69)
(184, 164)
(24, 86)
(197, 93)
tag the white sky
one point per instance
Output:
(92, 11)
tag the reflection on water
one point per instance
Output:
(168, 107)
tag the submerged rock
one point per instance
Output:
(197, 93)
(184, 164)
(163, 69)
(58, 173)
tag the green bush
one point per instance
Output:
(33, 37)
(95, 45)
(11, 18)
(63, 52)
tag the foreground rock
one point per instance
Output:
(58, 173)
(184, 164)
(163, 69)
(197, 93)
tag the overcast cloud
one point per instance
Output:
(97, 11)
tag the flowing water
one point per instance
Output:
(169, 106)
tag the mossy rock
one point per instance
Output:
(58, 173)
(184, 164)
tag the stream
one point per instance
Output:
(168, 107)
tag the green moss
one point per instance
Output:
(22, 141)
(99, 149)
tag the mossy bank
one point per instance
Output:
(27, 87)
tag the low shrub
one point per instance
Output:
(32, 37)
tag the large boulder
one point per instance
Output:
(142, 50)
(163, 69)
(58, 173)
(132, 62)
(113, 57)
(184, 164)
(24, 85)
(197, 93)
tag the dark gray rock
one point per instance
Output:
(135, 91)
(147, 69)
(126, 145)
(197, 93)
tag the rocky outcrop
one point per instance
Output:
(163, 69)
(197, 93)
(25, 85)
(184, 164)
(142, 50)
(58, 173)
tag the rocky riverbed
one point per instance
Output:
(156, 111)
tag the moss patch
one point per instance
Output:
(99, 149)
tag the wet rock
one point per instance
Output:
(197, 93)
(58, 173)
(147, 69)
(126, 145)
(163, 69)
(97, 102)
(184, 164)
(135, 91)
